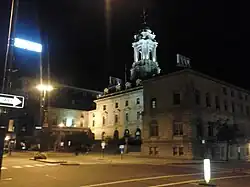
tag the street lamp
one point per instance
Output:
(44, 88)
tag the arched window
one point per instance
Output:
(116, 135)
(126, 133)
(138, 133)
(103, 135)
(154, 128)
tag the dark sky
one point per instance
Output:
(214, 34)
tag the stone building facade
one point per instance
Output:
(178, 109)
(116, 113)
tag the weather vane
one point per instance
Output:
(144, 16)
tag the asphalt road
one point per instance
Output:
(21, 172)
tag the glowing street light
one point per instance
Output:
(61, 125)
(45, 87)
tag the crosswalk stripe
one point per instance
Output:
(49, 164)
(39, 165)
(28, 166)
(3, 168)
(17, 167)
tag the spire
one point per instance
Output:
(144, 16)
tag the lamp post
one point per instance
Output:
(61, 125)
(44, 88)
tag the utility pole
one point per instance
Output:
(7, 73)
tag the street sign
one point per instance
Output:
(11, 101)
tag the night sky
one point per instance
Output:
(84, 52)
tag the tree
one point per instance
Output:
(227, 133)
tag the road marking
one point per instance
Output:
(28, 166)
(40, 165)
(200, 180)
(17, 167)
(147, 178)
(48, 164)
(3, 168)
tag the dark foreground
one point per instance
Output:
(21, 172)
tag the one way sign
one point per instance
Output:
(11, 101)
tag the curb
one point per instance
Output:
(70, 164)
(47, 161)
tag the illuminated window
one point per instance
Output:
(153, 103)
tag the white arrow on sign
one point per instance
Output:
(13, 101)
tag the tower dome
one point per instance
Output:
(145, 63)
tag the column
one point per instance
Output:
(154, 54)
(135, 55)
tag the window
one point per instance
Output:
(93, 123)
(233, 107)
(210, 129)
(225, 105)
(153, 103)
(232, 93)
(138, 116)
(138, 101)
(174, 151)
(116, 105)
(126, 116)
(217, 103)
(73, 123)
(208, 100)
(116, 118)
(176, 98)
(224, 89)
(241, 108)
(104, 107)
(181, 151)
(231, 151)
(199, 130)
(126, 103)
(197, 97)
(240, 96)
(178, 128)
(154, 129)
(246, 97)
(103, 120)
(247, 110)
(93, 115)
